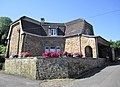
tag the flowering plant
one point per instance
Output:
(67, 54)
(77, 54)
(51, 54)
(24, 54)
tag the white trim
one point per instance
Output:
(46, 49)
(21, 27)
(53, 32)
(57, 49)
(11, 29)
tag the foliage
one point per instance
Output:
(77, 54)
(115, 44)
(2, 49)
(51, 54)
(4, 28)
(1, 66)
(68, 54)
(24, 54)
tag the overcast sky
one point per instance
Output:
(104, 15)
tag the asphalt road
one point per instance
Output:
(107, 77)
(15, 81)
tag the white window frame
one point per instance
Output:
(53, 32)
(52, 50)
(58, 50)
(47, 50)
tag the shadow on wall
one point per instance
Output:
(94, 71)
(91, 72)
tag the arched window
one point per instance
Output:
(88, 51)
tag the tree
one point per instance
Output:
(115, 44)
(4, 28)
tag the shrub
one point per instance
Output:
(51, 54)
(2, 49)
(67, 54)
(24, 54)
(1, 65)
(77, 54)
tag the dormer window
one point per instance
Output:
(53, 32)
(87, 31)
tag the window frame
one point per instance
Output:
(47, 49)
(53, 32)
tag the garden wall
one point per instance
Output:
(51, 68)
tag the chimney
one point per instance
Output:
(42, 20)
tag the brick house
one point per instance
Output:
(27, 34)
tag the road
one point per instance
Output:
(15, 81)
(107, 77)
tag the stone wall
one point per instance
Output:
(35, 44)
(15, 38)
(86, 41)
(51, 68)
(21, 67)
(72, 44)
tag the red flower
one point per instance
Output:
(51, 54)
(24, 54)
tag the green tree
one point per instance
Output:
(115, 44)
(4, 28)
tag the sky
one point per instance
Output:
(104, 15)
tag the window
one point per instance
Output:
(52, 49)
(53, 32)
(46, 49)
(57, 49)
(87, 31)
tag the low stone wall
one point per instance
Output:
(21, 67)
(51, 68)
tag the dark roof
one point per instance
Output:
(74, 27)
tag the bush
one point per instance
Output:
(2, 49)
(24, 54)
(67, 54)
(2, 60)
(51, 54)
(1, 66)
(77, 54)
